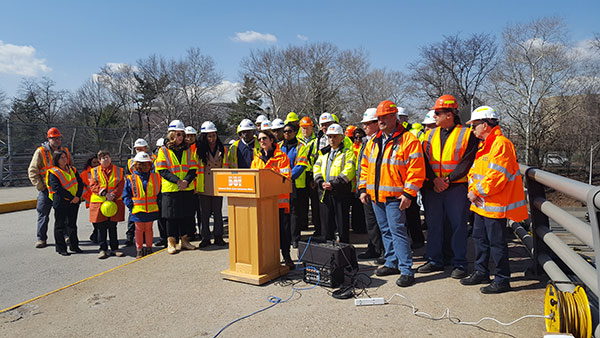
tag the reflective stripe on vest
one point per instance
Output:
(443, 162)
(110, 183)
(67, 180)
(145, 200)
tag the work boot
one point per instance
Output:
(219, 241)
(102, 254)
(204, 243)
(429, 267)
(40, 244)
(139, 253)
(171, 246)
(147, 251)
(185, 243)
(477, 277)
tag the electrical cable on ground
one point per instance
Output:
(274, 300)
(446, 315)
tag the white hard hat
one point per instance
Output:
(160, 142)
(325, 117)
(266, 125)
(260, 119)
(189, 130)
(140, 142)
(483, 112)
(277, 124)
(369, 115)
(402, 112)
(142, 157)
(176, 125)
(335, 129)
(208, 127)
(246, 125)
(429, 119)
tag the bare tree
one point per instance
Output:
(197, 81)
(535, 65)
(455, 66)
(38, 101)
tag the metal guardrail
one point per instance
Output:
(545, 245)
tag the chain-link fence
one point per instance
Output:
(18, 142)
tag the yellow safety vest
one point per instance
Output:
(68, 180)
(344, 165)
(108, 183)
(444, 162)
(166, 159)
(144, 200)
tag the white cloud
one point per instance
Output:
(302, 37)
(21, 60)
(252, 36)
(227, 91)
(584, 50)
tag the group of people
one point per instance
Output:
(169, 187)
(372, 178)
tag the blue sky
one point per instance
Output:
(70, 40)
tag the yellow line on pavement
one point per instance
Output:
(78, 282)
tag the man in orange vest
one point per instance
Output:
(496, 193)
(392, 172)
(450, 150)
(38, 168)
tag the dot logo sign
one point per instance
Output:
(235, 181)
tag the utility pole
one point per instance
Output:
(592, 148)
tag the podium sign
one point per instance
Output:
(253, 210)
(239, 182)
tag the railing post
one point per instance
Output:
(535, 190)
(594, 212)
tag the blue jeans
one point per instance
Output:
(396, 243)
(447, 210)
(44, 205)
(488, 235)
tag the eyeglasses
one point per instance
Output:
(477, 123)
(288, 131)
(260, 139)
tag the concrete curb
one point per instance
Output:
(17, 206)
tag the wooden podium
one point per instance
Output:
(253, 222)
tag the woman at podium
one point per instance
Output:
(270, 156)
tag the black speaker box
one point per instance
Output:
(332, 254)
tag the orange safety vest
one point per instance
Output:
(144, 200)
(108, 183)
(444, 161)
(495, 177)
(400, 169)
(280, 163)
(87, 193)
(68, 180)
(47, 159)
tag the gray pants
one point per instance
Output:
(44, 205)
(211, 205)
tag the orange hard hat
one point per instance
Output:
(306, 122)
(445, 101)
(350, 131)
(53, 132)
(386, 107)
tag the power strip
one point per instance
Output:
(369, 301)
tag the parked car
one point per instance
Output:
(555, 160)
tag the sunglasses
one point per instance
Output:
(475, 124)
(439, 112)
(264, 138)
(180, 134)
(288, 131)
